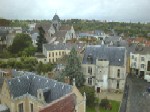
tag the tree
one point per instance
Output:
(73, 68)
(41, 39)
(20, 44)
(90, 95)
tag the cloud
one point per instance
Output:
(116, 10)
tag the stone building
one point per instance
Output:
(53, 52)
(104, 67)
(55, 32)
(140, 62)
(34, 93)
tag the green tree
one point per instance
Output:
(22, 45)
(73, 68)
(90, 95)
(29, 63)
(41, 39)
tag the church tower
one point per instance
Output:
(56, 22)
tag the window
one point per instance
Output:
(49, 54)
(59, 53)
(90, 81)
(63, 53)
(134, 64)
(118, 73)
(148, 66)
(31, 107)
(132, 56)
(20, 106)
(135, 59)
(40, 95)
(53, 54)
(142, 65)
(117, 85)
(89, 70)
(98, 89)
(56, 53)
(142, 59)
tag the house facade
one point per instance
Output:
(104, 67)
(140, 64)
(33, 93)
(53, 52)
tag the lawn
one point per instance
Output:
(115, 107)
(90, 109)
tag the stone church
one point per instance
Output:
(59, 33)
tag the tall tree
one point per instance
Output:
(41, 39)
(73, 68)
(21, 43)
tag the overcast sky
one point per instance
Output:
(116, 10)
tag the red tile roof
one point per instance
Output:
(64, 104)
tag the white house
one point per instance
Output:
(140, 63)
(104, 67)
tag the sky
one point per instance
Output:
(110, 10)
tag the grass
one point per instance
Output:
(115, 107)
(90, 109)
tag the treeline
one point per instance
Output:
(27, 64)
(128, 29)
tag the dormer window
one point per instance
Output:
(89, 59)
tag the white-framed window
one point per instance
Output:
(134, 64)
(142, 65)
(142, 59)
(90, 81)
(20, 107)
(132, 56)
(135, 58)
(89, 69)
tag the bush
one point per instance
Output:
(104, 103)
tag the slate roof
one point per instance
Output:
(56, 18)
(29, 83)
(44, 25)
(62, 46)
(60, 35)
(115, 55)
(3, 32)
(59, 46)
(112, 38)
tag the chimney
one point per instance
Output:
(74, 82)
(67, 80)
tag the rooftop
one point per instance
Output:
(30, 82)
(115, 55)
